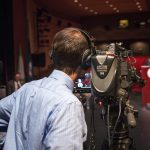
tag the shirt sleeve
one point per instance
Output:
(67, 129)
(6, 106)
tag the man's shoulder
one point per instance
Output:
(52, 93)
(31, 86)
(35, 83)
(70, 98)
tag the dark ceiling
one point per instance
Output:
(76, 9)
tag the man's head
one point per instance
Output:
(17, 76)
(67, 49)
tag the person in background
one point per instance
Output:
(14, 85)
(45, 114)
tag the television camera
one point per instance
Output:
(112, 78)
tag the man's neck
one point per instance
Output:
(74, 74)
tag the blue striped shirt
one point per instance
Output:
(44, 115)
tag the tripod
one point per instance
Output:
(118, 117)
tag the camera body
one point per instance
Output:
(112, 75)
(104, 75)
(111, 81)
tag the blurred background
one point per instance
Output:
(28, 26)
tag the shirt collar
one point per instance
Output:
(63, 77)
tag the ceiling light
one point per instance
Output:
(86, 8)
(137, 3)
(140, 9)
(139, 6)
(117, 11)
(80, 5)
(114, 8)
(95, 12)
(91, 10)
(111, 5)
(107, 2)
(75, 1)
